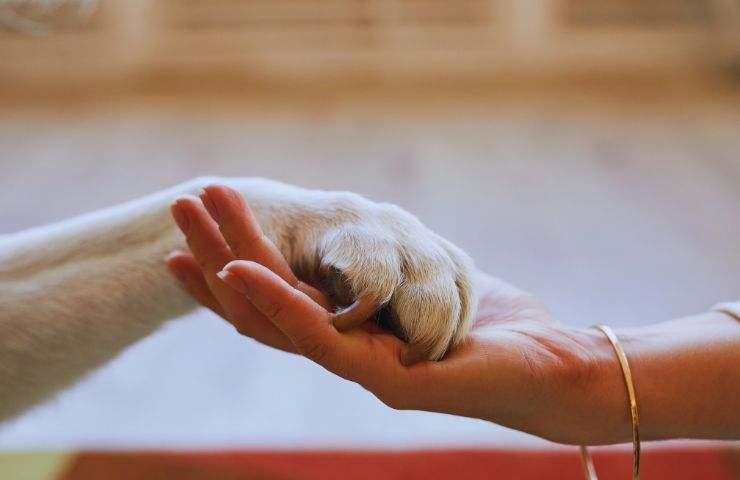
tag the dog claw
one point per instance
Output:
(354, 315)
(414, 353)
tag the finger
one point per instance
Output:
(242, 232)
(185, 267)
(306, 324)
(209, 250)
(211, 253)
(370, 360)
(202, 235)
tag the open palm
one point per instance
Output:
(517, 367)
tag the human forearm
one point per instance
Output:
(686, 374)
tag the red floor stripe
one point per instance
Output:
(673, 464)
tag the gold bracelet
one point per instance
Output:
(588, 467)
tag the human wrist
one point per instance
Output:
(652, 355)
(589, 401)
(684, 373)
(661, 376)
(604, 400)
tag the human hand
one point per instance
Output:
(363, 255)
(518, 367)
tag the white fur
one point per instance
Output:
(74, 294)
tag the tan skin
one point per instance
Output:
(519, 367)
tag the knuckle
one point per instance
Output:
(313, 348)
(230, 217)
(274, 310)
(283, 306)
(240, 240)
(213, 258)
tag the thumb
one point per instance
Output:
(302, 320)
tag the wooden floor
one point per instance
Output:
(621, 208)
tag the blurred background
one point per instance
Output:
(587, 151)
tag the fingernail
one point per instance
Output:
(233, 281)
(181, 218)
(209, 204)
(172, 255)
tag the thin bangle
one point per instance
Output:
(588, 467)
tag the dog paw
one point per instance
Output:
(377, 259)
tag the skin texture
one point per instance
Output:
(518, 367)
